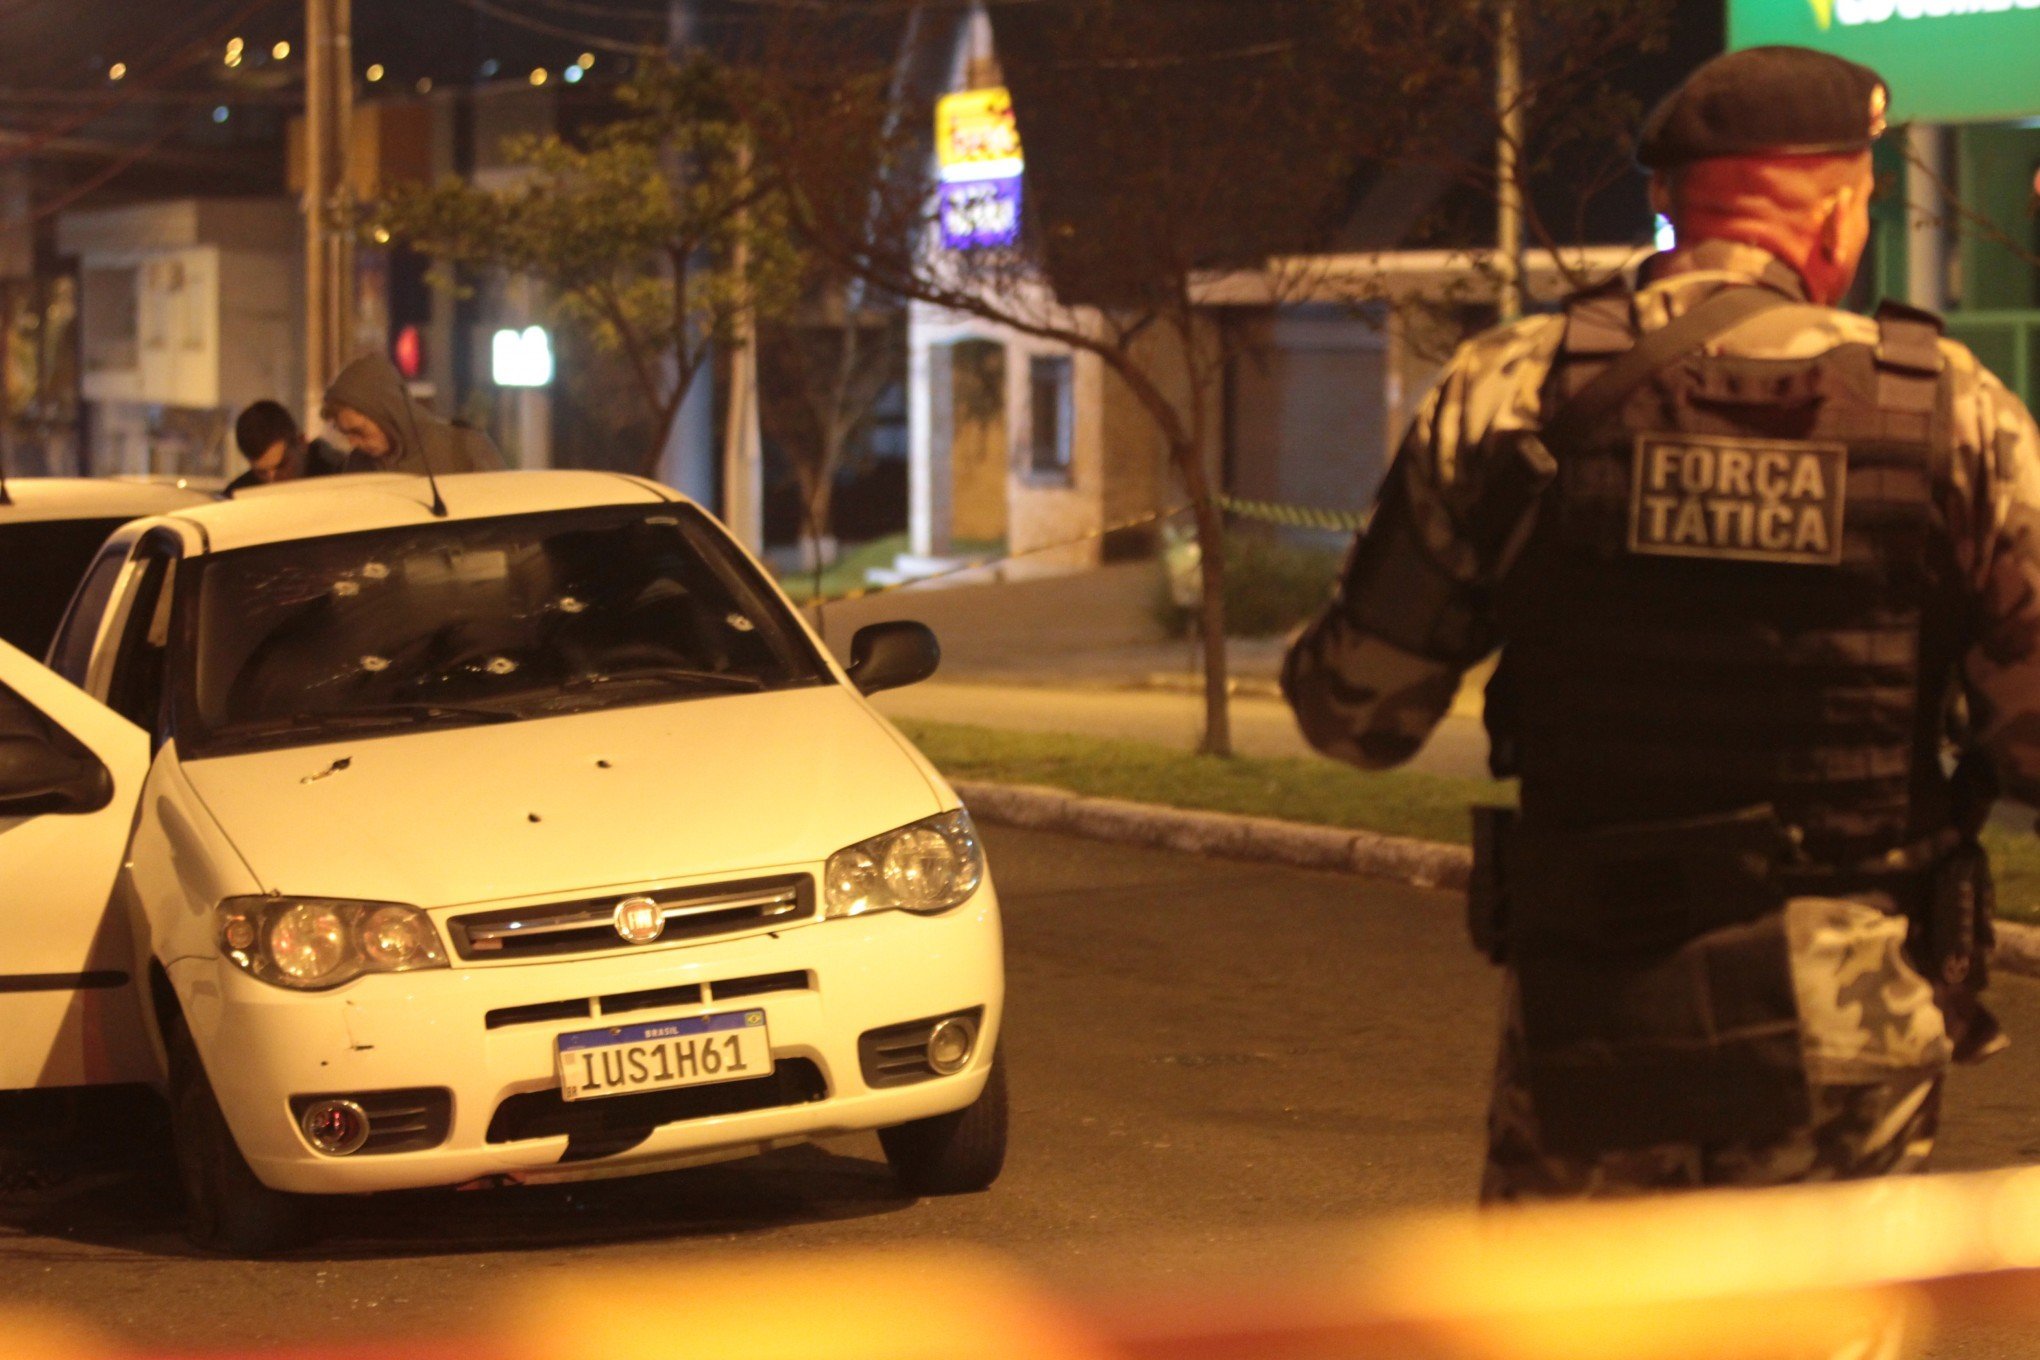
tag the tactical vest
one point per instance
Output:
(1740, 592)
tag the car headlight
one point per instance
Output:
(927, 866)
(310, 943)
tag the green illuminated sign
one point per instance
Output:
(1948, 61)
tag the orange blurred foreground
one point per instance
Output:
(1760, 1275)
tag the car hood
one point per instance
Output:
(586, 801)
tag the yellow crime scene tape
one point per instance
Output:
(1295, 516)
(1807, 1272)
(1268, 512)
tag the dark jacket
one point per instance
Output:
(420, 441)
(317, 459)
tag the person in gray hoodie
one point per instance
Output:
(387, 431)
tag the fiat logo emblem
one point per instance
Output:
(639, 920)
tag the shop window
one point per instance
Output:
(1050, 383)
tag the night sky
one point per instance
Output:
(181, 118)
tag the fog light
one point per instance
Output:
(949, 1045)
(335, 1127)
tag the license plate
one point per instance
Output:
(663, 1054)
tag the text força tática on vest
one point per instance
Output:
(1738, 499)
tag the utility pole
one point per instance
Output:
(328, 195)
(340, 78)
(743, 444)
(1926, 259)
(1508, 148)
(743, 457)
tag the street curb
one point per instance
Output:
(1426, 864)
(2018, 949)
(1183, 682)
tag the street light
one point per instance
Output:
(117, 71)
(281, 51)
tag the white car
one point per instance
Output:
(536, 839)
(50, 528)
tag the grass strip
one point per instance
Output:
(1393, 802)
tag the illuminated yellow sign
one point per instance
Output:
(976, 137)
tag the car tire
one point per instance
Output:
(955, 1153)
(226, 1209)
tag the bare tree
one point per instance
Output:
(824, 368)
(1210, 138)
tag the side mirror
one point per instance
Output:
(37, 776)
(888, 655)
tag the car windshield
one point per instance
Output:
(476, 621)
(40, 564)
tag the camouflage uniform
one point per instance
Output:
(1875, 1050)
(1874, 1041)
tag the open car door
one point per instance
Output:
(71, 774)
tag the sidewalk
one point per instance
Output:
(1176, 668)
(1252, 666)
(1090, 628)
(1095, 628)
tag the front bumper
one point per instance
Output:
(262, 1046)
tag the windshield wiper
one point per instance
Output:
(678, 676)
(379, 715)
(423, 711)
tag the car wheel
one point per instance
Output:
(226, 1209)
(952, 1154)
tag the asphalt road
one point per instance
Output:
(1205, 1056)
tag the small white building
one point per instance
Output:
(1034, 445)
(189, 310)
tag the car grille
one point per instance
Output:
(601, 1127)
(622, 1003)
(588, 924)
(407, 1120)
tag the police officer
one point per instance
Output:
(1749, 562)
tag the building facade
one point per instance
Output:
(188, 310)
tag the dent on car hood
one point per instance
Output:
(563, 804)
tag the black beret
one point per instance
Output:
(1783, 101)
